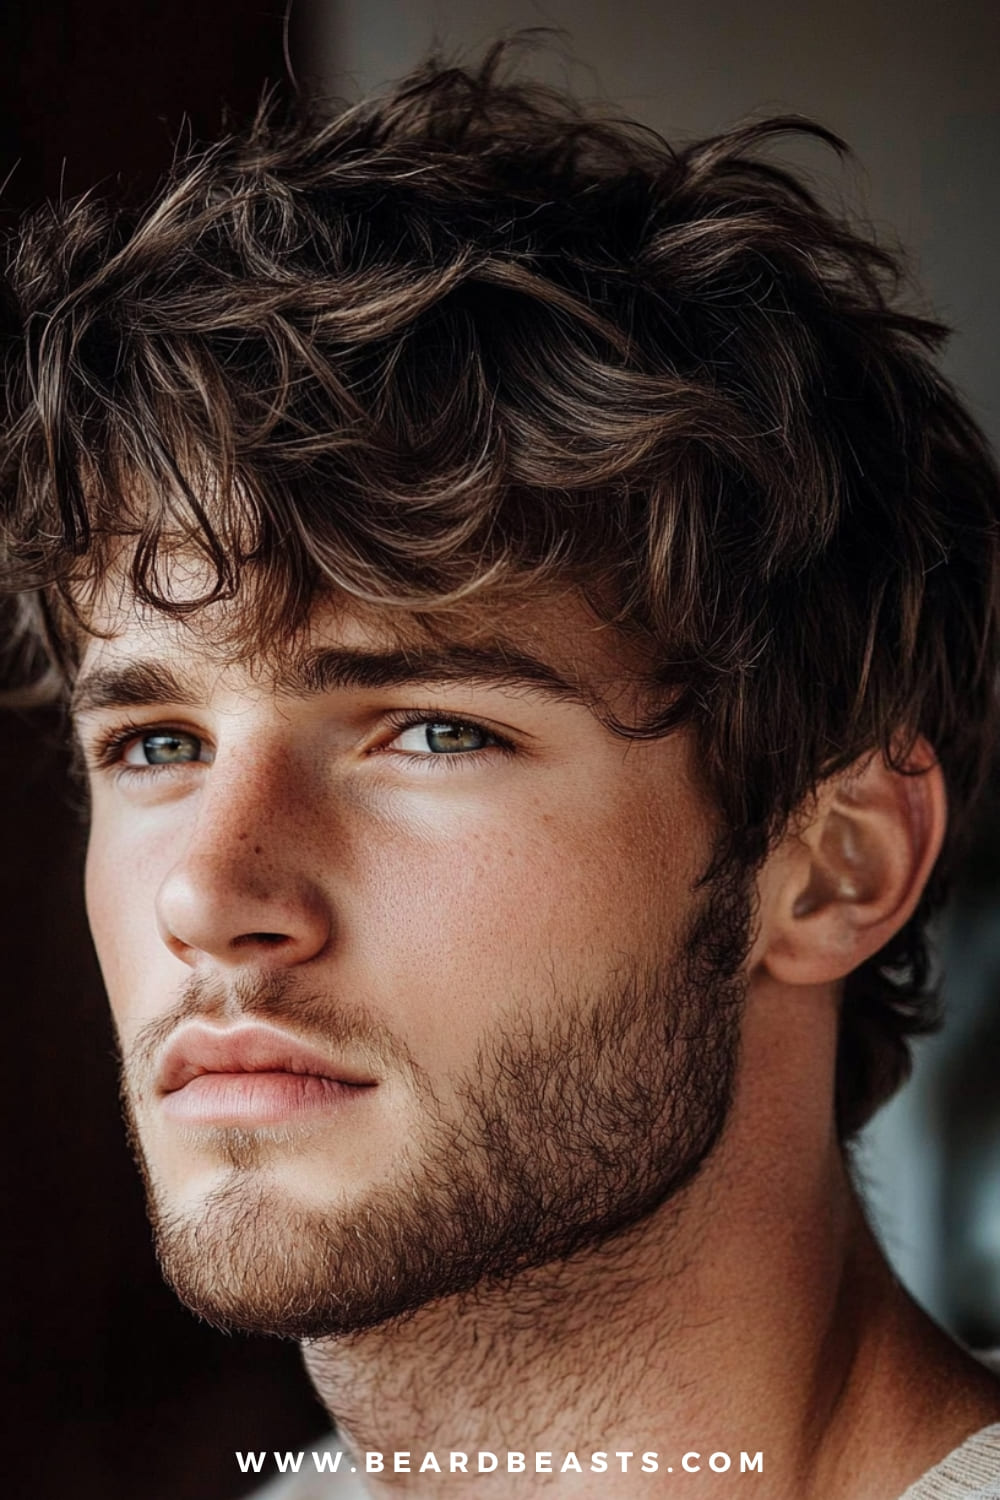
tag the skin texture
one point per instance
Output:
(440, 926)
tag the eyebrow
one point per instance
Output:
(135, 684)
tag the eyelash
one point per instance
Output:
(106, 751)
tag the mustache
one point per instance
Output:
(314, 1017)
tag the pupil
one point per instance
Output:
(162, 749)
(452, 737)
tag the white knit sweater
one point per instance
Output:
(971, 1472)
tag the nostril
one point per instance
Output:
(271, 939)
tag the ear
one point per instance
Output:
(850, 874)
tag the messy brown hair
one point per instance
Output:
(469, 335)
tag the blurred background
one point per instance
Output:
(115, 1391)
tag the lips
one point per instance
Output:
(199, 1049)
(250, 1075)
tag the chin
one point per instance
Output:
(251, 1258)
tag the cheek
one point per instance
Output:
(531, 909)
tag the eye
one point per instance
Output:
(438, 737)
(164, 747)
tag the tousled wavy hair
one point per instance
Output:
(469, 335)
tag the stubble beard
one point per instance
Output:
(567, 1139)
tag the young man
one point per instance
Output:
(529, 605)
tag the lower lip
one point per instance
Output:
(256, 1098)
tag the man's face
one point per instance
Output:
(411, 977)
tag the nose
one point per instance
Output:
(241, 892)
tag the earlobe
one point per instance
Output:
(851, 874)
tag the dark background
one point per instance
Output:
(112, 1391)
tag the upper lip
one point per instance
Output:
(199, 1048)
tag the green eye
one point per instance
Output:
(166, 747)
(443, 737)
(447, 738)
